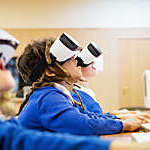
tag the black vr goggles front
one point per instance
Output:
(88, 54)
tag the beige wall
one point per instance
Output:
(86, 20)
(74, 13)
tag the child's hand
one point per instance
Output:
(131, 124)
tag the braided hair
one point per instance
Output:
(38, 67)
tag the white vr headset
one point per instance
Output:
(64, 48)
(8, 44)
(88, 54)
(7, 37)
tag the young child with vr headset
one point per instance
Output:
(89, 60)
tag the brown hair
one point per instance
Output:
(37, 66)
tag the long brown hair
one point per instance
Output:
(38, 67)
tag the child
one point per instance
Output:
(51, 67)
(86, 59)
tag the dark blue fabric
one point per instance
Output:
(90, 104)
(49, 109)
(14, 137)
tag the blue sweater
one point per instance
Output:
(90, 104)
(49, 109)
(14, 137)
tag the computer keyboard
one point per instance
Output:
(141, 137)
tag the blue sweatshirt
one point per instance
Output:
(14, 137)
(89, 103)
(49, 109)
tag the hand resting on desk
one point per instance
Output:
(125, 114)
(131, 124)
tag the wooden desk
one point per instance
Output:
(123, 137)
